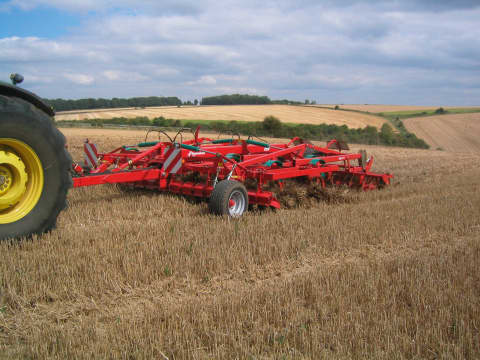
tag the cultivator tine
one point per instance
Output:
(363, 160)
(338, 145)
(368, 164)
(342, 145)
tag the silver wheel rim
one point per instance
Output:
(238, 208)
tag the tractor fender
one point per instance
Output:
(15, 91)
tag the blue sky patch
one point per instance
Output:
(39, 22)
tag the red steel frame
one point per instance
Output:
(163, 164)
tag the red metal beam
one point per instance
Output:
(117, 177)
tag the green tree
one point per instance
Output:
(386, 134)
(272, 124)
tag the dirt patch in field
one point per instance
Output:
(459, 133)
(298, 193)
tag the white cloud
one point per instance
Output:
(203, 80)
(115, 75)
(39, 79)
(237, 90)
(207, 80)
(112, 75)
(80, 79)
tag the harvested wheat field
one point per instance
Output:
(459, 132)
(100, 110)
(373, 108)
(286, 113)
(140, 275)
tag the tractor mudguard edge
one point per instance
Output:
(15, 91)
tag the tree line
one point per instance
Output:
(101, 103)
(236, 99)
(90, 103)
(245, 99)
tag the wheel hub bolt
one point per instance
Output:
(2, 180)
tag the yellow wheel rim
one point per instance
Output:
(21, 180)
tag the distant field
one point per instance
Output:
(286, 113)
(392, 108)
(459, 132)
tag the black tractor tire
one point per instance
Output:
(223, 192)
(25, 123)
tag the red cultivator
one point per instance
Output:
(219, 169)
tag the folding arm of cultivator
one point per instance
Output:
(222, 170)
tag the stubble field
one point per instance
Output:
(389, 274)
(459, 132)
(374, 108)
(286, 113)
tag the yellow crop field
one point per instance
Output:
(458, 132)
(384, 274)
(286, 113)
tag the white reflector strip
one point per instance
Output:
(170, 158)
(169, 168)
(88, 162)
(90, 155)
(177, 166)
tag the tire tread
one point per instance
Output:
(218, 203)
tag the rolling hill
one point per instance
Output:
(458, 132)
(286, 113)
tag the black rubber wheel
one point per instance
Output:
(29, 137)
(228, 198)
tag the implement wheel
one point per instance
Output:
(34, 170)
(229, 198)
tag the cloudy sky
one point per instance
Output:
(419, 52)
